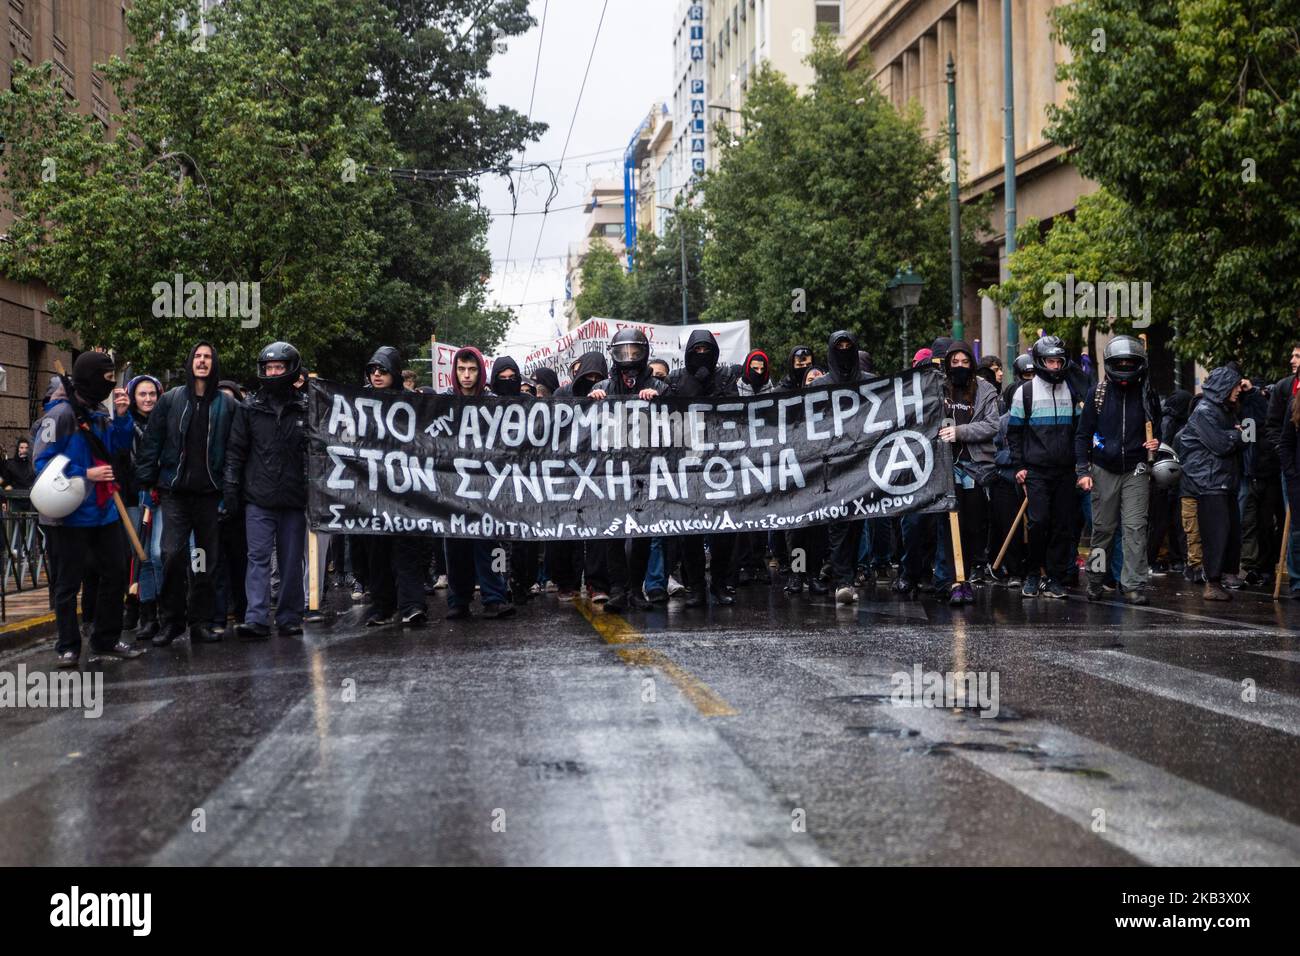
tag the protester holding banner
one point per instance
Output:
(702, 378)
(470, 559)
(506, 383)
(845, 536)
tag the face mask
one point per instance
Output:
(960, 376)
(845, 359)
(88, 377)
(700, 364)
(507, 386)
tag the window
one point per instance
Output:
(612, 230)
(828, 15)
(735, 19)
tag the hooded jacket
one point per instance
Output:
(1210, 441)
(793, 379)
(718, 381)
(1173, 415)
(499, 365)
(1112, 438)
(1258, 458)
(125, 466)
(57, 432)
(547, 378)
(390, 360)
(161, 456)
(589, 363)
(975, 438)
(467, 352)
(846, 371)
(266, 456)
(745, 385)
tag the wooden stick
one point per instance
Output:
(134, 538)
(313, 561)
(1020, 516)
(958, 563)
(1281, 558)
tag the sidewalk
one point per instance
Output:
(27, 614)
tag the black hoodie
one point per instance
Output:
(389, 360)
(589, 363)
(184, 447)
(547, 378)
(18, 472)
(793, 380)
(700, 375)
(842, 364)
(499, 365)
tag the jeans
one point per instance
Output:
(468, 558)
(282, 530)
(149, 573)
(656, 575)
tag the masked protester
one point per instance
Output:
(628, 560)
(80, 519)
(548, 383)
(266, 482)
(755, 377)
(844, 368)
(1111, 451)
(183, 456)
(1040, 435)
(800, 360)
(1211, 443)
(507, 383)
(588, 371)
(143, 393)
(398, 561)
(807, 545)
(701, 377)
(471, 559)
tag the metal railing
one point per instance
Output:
(23, 559)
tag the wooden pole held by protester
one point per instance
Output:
(313, 561)
(136, 546)
(1020, 516)
(1281, 558)
(958, 562)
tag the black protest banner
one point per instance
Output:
(572, 469)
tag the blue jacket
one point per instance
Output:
(57, 433)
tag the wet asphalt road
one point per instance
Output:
(759, 734)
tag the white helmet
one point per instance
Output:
(55, 495)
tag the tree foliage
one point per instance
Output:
(813, 210)
(1188, 112)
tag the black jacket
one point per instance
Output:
(711, 379)
(1258, 458)
(160, 458)
(644, 379)
(1174, 414)
(1279, 409)
(793, 379)
(266, 455)
(19, 473)
(849, 370)
(1210, 442)
(1113, 438)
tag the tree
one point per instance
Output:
(1186, 111)
(606, 291)
(816, 207)
(658, 272)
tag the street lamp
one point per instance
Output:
(682, 233)
(904, 294)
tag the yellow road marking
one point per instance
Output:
(618, 632)
(27, 623)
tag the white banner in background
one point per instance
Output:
(667, 342)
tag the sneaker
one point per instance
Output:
(252, 632)
(1014, 582)
(567, 595)
(415, 617)
(1109, 584)
(1095, 591)
(441, 583)
(1158, 570)
(1232, 581)
(954, 597)
(1054, 590)
(657, 595)
(817, 586)
(379, 618)
(122, 651)
(599, 597)
(1032, 585)
(494, 611)
(845, 595)
(358, 595)
(289, 630)
(1193, 573)
(314, 617)
(1215, 591)
(535, 589)
(168, 634)
(795, 584)
(457, 613)
(1136, 598)
(968, 593)
(675, 587)
(723, 598)
(551, 587)
(68, 659)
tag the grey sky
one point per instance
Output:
(630, 70)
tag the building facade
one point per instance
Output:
(73, 35)
(603, 223)
(906, 45)
(687, 150)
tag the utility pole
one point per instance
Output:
(954, 204)
(1009, 134)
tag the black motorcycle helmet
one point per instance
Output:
(1125, 359)
(1022, 366)
(279, 352)
(1049, 346)
(630, 350)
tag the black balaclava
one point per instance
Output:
(842, 364)
(960, 377)
(88, 377)
(546, 377)
(506, 387)
(701, 365)
(757, 381)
